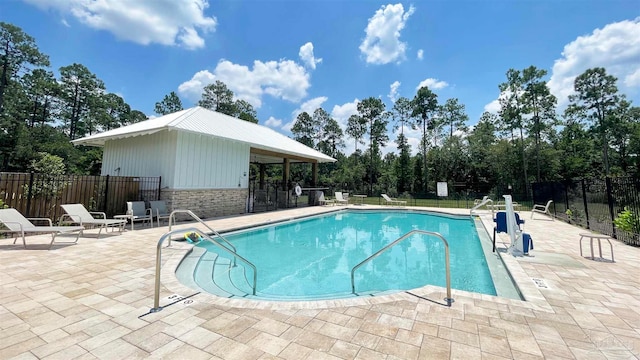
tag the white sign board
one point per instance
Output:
(442, 189)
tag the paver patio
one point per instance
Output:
(84, 301)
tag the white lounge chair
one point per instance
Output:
(159, 210)
(137, 211)
(542, 209)
(324, 201)
(15, 222)
(78, 214)
(340, 199)
(393, 201)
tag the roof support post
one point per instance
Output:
(285, 174)
(314, 171)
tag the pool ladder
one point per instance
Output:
(167, 236)
(448, 299)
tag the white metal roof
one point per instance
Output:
(206, 122)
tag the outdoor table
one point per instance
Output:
(361, 198)
(598, 237)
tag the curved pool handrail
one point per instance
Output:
(448, 299)
(196, 218)
(156, 296)
(482, 202)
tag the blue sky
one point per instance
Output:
(289, 56)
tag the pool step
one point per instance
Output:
(186, 268)
(222, 274)
(202, 275)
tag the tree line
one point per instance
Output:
(527, 140)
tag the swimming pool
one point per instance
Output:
(312, 258)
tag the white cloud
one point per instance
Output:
(393, 90)
(433, 84)
(633, 80)
(283, 79)
(616, 47)
(306, 55)
(273, 122)
(165, 22)
(341, 113)
(420, 54)
(65, 23)
(493, 107)
(382, 43)
(192, 89)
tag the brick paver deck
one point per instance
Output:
(83, 301)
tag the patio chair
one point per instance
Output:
(78, 214)
(325, 201)
(501, 225)
(15, 222)
(159, 210)
(137, 211)
(339, 199)
(392, 201)
(542, 209)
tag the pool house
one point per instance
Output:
(202, 157)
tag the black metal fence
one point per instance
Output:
(593, 203)
(40, 195)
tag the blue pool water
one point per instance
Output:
(313, 257)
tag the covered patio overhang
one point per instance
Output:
(263, 157)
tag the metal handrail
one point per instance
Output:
(448, 299)
(195, 217)
(156, 296)
(484, 201)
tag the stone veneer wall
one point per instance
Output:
(207, 203)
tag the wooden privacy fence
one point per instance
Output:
(40, 195)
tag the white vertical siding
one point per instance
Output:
(148, 155)
(204, 162)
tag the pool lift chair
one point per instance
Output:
(501, 225)
(521, 242)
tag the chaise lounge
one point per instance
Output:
(78, 214)
(393, 201)
(16, 223)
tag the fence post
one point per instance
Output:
(106, 192)
(29, 193)
(584, 199)
(159, 186)
(610, 201)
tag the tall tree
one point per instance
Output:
(481, 140)
(135, 116)
(320, 118)
(596, 98)
(453, 115)
(218, 97)
(17, 49)
(425, 107)
(332, 138)
(79, 90)
(356, 128)
(41, 88)
(401, 113)
(372, 112)
(541, 105)
(511, 109)
(169, 104)
(243, 110)
(111, 112)
(303, 129)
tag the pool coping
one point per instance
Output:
(533, 298)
